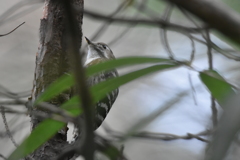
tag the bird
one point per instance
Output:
(97, 53)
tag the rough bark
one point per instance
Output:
(51, 63)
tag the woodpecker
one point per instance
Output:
(97, 53)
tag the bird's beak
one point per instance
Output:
(88, 41)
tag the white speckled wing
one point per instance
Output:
(103, 106)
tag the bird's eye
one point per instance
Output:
(104, 46)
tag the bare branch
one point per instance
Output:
(13, 102)
(9, 14)
(210, 62)
(42, 115)
(158, 136)
(12, 30)
(163, 31)
(209, 52)
(101, 30)
(69, 151)
(215, 14)
(167, 105)
(103, 145)
(158, 23)
(192, 89)
(6, 127)
(225, 53)
(126, 30)
(3, 157)
(56, 110)
(191, 39)
(104, 27)
(167, 136)
(4, 91)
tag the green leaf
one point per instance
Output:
(60, 85)
(43, 132)
(100, 90)
(72, 106)
(123, 62)
(219, 88)
(112, 152)
(67, 81)
(49, 127)
(46, 129)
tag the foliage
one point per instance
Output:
(97, 91)
(218, 87)
(215, 83)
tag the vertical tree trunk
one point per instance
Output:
(52, 62)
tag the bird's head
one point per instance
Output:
(99, 50)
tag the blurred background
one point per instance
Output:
(137, 99)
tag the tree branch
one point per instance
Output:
(12, 30)
(216, 15)
(52, 61)
(158, 23)
(2, 109)
(158, 136)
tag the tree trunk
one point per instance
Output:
(52, 61)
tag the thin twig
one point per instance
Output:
(186, 14)
(167, 136)
(103, 145)
(167, 105)
(13, 102)
(210, 62)
(6, 126)
(191, 39)
(56, 110)
(3, 157)
(159, 23)
(42, 115)
(4, 134)
(209, 52)
(213, 45)
(104, 27)
(101, 29)
(192, 89)
(6, 16)
(215, 14)
(158, 136)
(145, 10)
(163, 31)
(121, 35)
(11, 111)
(70, 149)
(126, 30)
(193, 50)
(12, 30)
(82, 90)
(216, 48)
(4, 91)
